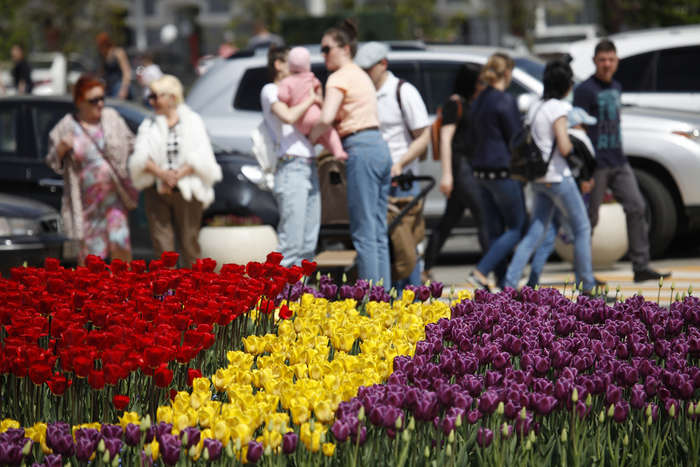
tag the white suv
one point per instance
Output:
(662, 146)
(658, 67)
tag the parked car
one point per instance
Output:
(25, 122)
(663, 146)
(29, 232)
(658, 67)
(53, 73)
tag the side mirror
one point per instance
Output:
(525, 101)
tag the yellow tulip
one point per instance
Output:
(221, 432)
(164, 414)
(323, 411)
(328, 449)
(201, 385)
(8, 423)
(129, 417)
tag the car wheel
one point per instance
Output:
(661, 212)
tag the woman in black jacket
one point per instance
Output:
(496, 120)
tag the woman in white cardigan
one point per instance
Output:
(174, 164)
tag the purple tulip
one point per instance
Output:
(12, 435)
(613, 394)
(213, 446)
(621, 411)
(340, 430)
(488, 402)
(53, 460)
(169, 448)
(255, 451)
(543, 404)
(84, 448)
(289, 442)
(113, 445)
(638, 397)
(132, 434)
(10, 453)
(193, 436)
(436, 289)
(484, 437)
(112, 431)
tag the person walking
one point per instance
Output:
(457, 181)
(174, 164)
(557, 189)
(296, 178)
(496, 120)
(114, 67)
(21, 72)
(403, 123)
(599, 95)
(350, 105)
(146, 73)
(90, 149)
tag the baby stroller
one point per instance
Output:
(405, 223)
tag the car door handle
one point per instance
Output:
(51, 182)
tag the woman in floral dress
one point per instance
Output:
(90, 149)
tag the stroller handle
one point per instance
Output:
(407, 179)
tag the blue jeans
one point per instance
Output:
(567, 199)
(504, 216)
(539, 259)
(368, 175)
(415, 277)
(299, 203)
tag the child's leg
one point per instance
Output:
(308, 120)
(331, 141)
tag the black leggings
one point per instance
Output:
(465, 194)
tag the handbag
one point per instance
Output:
(125, 189)
(526, 161)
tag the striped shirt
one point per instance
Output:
(174, 142)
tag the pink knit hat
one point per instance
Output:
(299, 60)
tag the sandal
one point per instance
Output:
(474, 280)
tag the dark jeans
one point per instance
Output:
(465, 194)
(504, 202)
(622, 182)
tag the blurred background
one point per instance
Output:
(185, 35)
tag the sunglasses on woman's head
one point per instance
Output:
(96, 100)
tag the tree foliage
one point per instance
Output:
(620, 15)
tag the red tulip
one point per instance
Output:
(120, 401)
(58, 384)
(192, 373)
(169, 258)
(96, 379)
(39, 373)
(163, 376)
(308, 266)
(285, 312)
(274, 257)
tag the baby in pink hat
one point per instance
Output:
(296, 87)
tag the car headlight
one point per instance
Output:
(256, 176)
(10, 226)
(693, 134)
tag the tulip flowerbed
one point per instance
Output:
(346, 375)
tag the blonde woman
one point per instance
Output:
(496, 120)
(174, 164)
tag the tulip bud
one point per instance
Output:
(564, 435)
(205, 454)
(360, 413)
(27, 448)
(504, 430)
(267, 451)
(406, 436)
(101, 445)
(574, 395)
(345, 278)
(323, 437)
(523, 413)
(393, 293)
(68, 464)
(589, 400)
(690, 289)
(458, 421)
(661, 281)
(116, 461)
(672, 410)
(500, 408)
(451, 437)
(145, 423)
(601, 416)
(312, 425)
(426, 452)
(412, 424)
(229, 450)
(398, 423)
(532, 437)
(193, 451)
(380, 282)
(625, 440)
(648, 410)
(611, 410)
(318, 276)
(528, 445)
(185, 438)
(433, 463)
(649, 420)
(105, 457)
(238, 444)
(448, 451)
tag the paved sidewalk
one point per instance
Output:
(685, 273)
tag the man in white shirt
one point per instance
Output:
(403, 121)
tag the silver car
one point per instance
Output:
(663, 146)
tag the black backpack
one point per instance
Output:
(526, 161)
